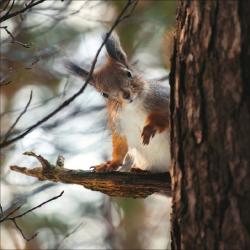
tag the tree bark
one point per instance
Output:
(210, 121)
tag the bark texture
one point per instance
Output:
(210, 120)
(119, 184)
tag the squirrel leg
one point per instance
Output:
(156, 122)
(120, 148)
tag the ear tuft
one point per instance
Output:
(114, 49)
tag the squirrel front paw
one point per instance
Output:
(105, 167)
(148, 133)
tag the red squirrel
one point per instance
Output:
(138, 112)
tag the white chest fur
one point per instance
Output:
(155, 156)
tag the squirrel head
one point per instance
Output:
(115, 80)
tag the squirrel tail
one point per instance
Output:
(75, 69)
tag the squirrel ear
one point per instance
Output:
(114, 49)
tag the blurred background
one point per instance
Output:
(33, 48)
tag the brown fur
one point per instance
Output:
(120, 149)
(110, 79)
(118, 82)
(119, 143)
(156, 122)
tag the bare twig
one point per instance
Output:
(11, 7)
(8, 218)
(35, 61)
(75, 113)
(13, 39)
(11, 212)
(17, 203)
(81, 90)
(22, 233)
(34, 106)
(14, 218)
(68, 235)
(57, 19)
(9, 15)
(18, 118)
(5, 6)
(1, 211)
(123, 184)
(131, 10)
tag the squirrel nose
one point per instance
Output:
(126, 95)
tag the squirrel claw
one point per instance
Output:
(148, 132)
(105, 167)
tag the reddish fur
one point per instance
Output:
(120, 147)
(156, 121)
(160, 120)
(117, 82)
(119, 143)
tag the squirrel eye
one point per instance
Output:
(129, 74)
(105, 95)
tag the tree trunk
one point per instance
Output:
(210, 119)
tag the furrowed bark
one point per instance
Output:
(210, 121)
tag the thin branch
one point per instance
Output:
(10, 213)
(81, 90)
(14, 218)
(35, 61)
(18, 118)
(68, 235)
(35, 105)
(5, 6)
(132, 9)
(57, 19)
(1, 211)
(11, 7)
(13, 39)
(22, 233)
(17, 203)
(123, 184)
(7, 218)
(9, 15)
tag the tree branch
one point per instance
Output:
(14, 218)
(8, 217)
(13, 39)
(18, 118)
(58, 246)
(22, 233)
(123, 184)
(9, 15)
